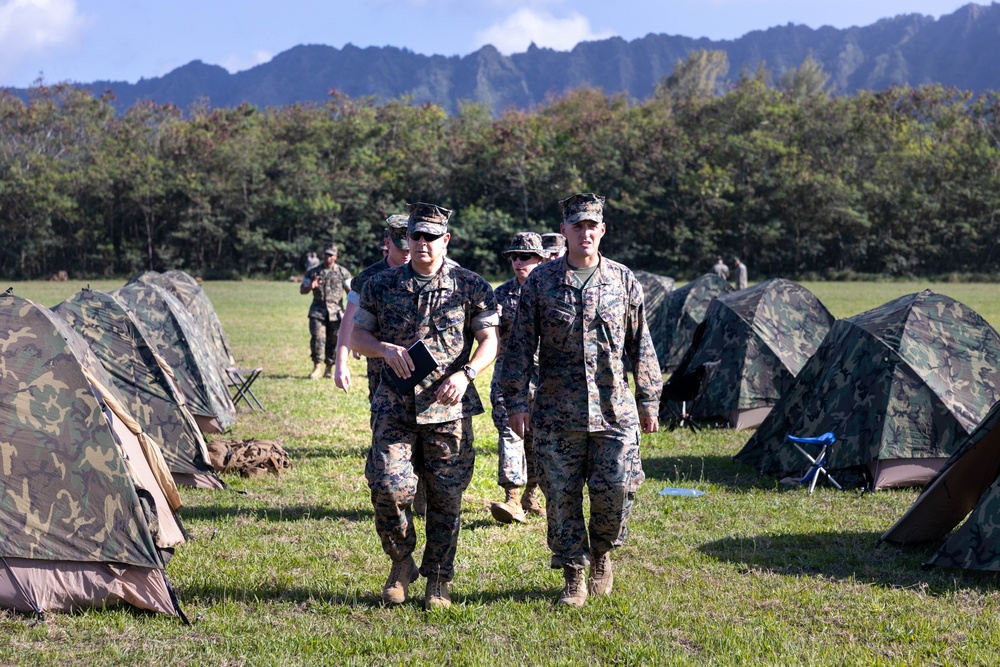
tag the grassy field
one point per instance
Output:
(287, 571)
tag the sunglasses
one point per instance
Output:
(424, 236)
(522, 256)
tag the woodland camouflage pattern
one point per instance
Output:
(191, 294)
(445, 313)
(581, 337)
(684, 309)
(655, 292)
(354, 296)
(909, 379)
(65, 492)
(762, 338)
(182, 344)
(120, 342)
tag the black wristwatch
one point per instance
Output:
(470, 372)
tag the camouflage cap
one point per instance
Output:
(553, 242)
(329, 249)
(428, 218)
(584, 206)
(396, 229)
(526, 242)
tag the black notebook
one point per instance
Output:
(422, 360)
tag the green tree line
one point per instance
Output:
(901, 182)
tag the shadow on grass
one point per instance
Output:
(334, 453)
(855, 556)
(718, 470)
(289, 513)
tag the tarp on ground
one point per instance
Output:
(761, 337)
(655, 290)
(144, 379)
(183, 286)
(900, 386)
(683, 310)
(87, 509)
(184, 346)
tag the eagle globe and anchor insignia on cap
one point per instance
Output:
(428, 218)
(584, 206)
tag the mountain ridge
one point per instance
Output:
(958, 49)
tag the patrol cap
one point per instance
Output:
(526, 242)
(428, 218)
(396, 228)
(329, 249)
(553, 242)
(584, 206)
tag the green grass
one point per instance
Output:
(287, 571)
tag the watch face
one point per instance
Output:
(470, 372)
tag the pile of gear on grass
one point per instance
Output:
(108, 402)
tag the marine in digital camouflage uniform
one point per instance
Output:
(583, 312)
(430, 427)
(554, 244)
(396, 253)
(516, 465)
(328, 283)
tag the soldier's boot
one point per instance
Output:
(574, 593)
(420, 499)
(328, 373)
(402, 574)
(510, 509)
(437, 593)
(601, 576)
(316, 371)
(531, 501)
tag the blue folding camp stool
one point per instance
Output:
(816, 464)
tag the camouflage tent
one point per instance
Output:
(145, 380)
(183, 344)
(655, 290)
(899, 386)
(86, 504)
(968, 481)
(191, 294)
(683, 310)
(761, 337)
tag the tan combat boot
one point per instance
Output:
(402, 574)
(437, 593)
(601, 576)
(328, 373)
(316, 371)
(510, 509)
(574, 593)
(530, 501)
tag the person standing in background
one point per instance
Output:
(328, 283)
(741, 273)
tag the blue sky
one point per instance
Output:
(88, 40)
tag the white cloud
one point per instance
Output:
(520, 29)
(238, 63)
(32, 28)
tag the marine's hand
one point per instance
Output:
(398, 359)
(650, 424)
(342, 377)
(518, 423)
(452, 389)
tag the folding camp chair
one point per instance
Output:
(684, 389)
(241, 380)
(816, 467)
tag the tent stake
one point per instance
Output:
(17, 582)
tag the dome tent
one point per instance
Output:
(900, 386)
(761, 337)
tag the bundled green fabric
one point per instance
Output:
(900, 386)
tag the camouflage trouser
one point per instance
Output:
(445, 454)
(516, 467)
(608, 463)
(323, 340)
